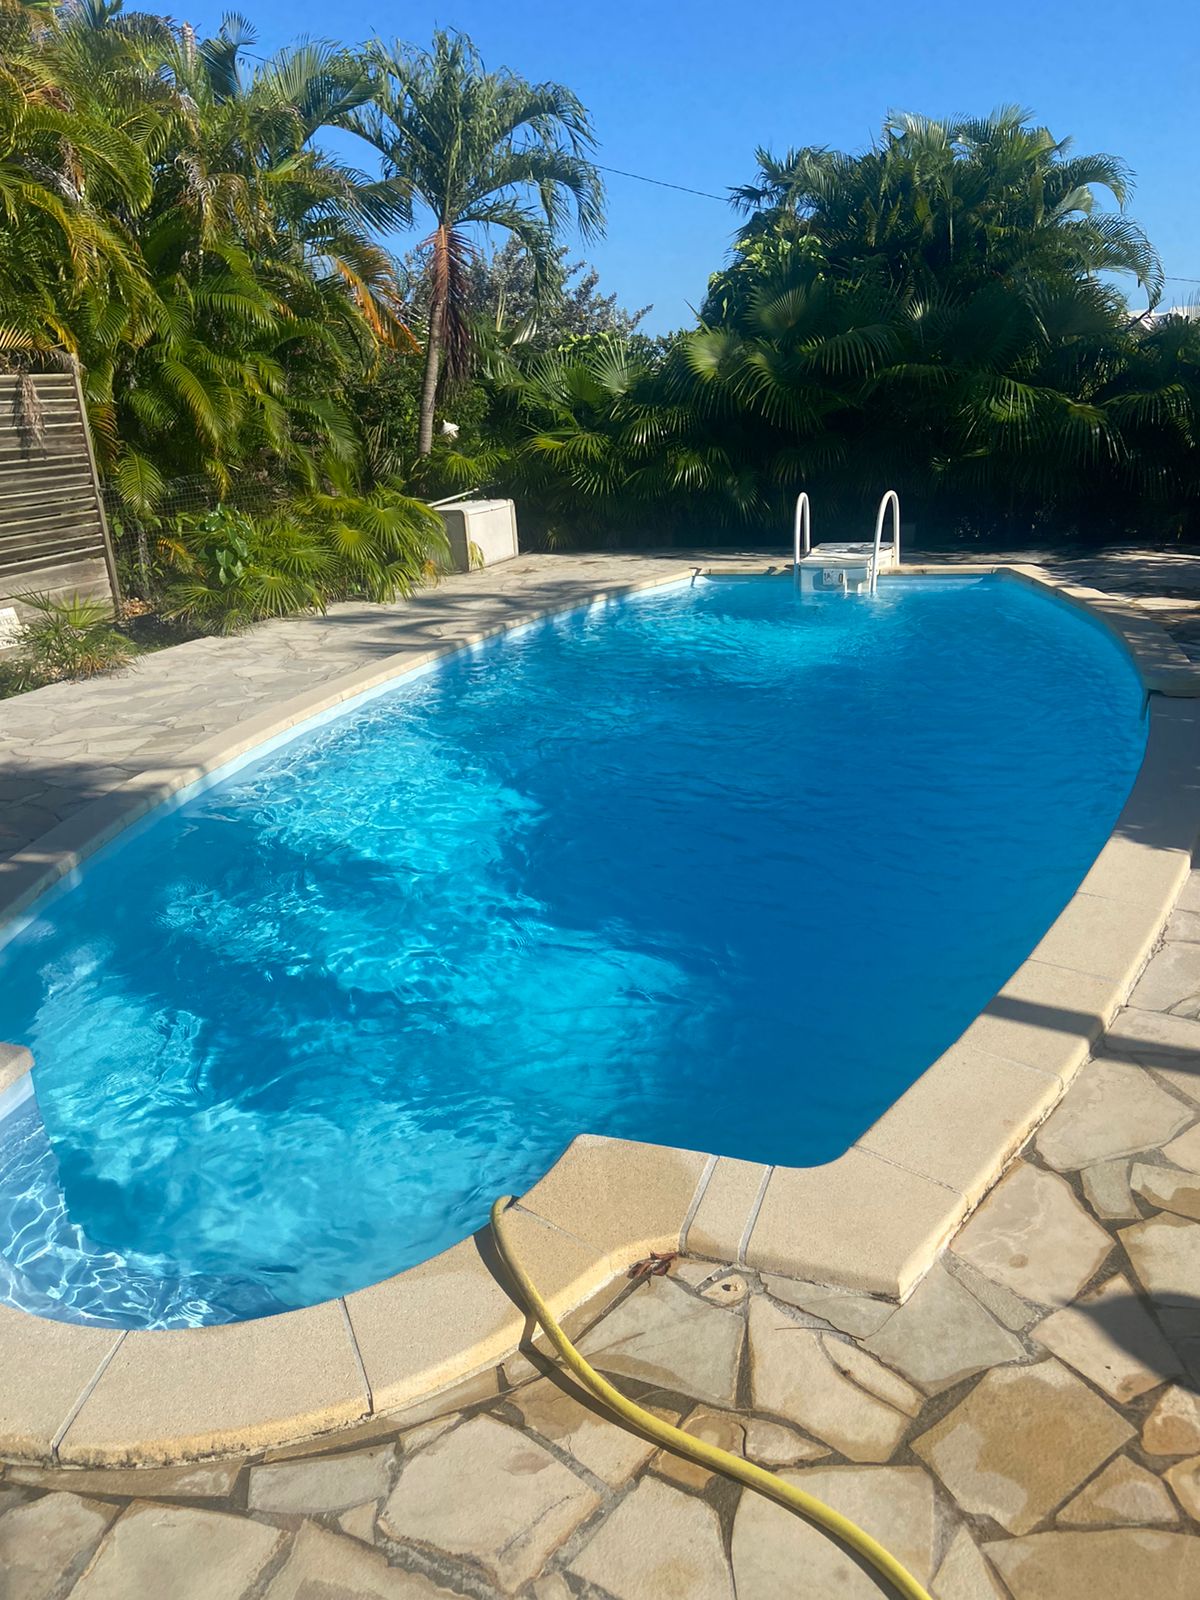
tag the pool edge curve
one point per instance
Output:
(871, 1221)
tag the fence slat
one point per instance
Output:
(45, 550)
(62, 492)
(15, 483)
(52, 526)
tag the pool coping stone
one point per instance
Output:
(872, 1221)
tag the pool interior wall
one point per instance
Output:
(718, 868)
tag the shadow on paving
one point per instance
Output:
(1121, 1318)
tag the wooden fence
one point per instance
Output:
(53, 535)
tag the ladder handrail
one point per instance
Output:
(802, 523)
(891, 498)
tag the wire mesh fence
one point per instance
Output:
(137, 538)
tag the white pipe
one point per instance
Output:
(451, 499)
(801, 528)
(893, 499)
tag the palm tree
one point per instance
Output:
(170, 219)
(263, 281)
(935, 313)
(68, 175)
(475, 149)
(940, 204)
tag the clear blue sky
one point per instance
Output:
(686, 89)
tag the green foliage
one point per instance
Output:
(387, 405)
(475, 149)
(64, 638)
(935, 313)
(377, 545)
(227, 569)
(929, 315)
(934, 206)
(514, 308)
(170, 220)
(230, 569)
(592, 441)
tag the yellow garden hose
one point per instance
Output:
(685, 1444)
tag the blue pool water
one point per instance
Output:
(717, 867)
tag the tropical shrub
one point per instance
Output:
(229, 570)
(929, 316)
(377, 545)
(226, 569)
(58, 638)
(386, 404)
(171, 220)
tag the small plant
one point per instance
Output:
(65, 638)
(139, 573)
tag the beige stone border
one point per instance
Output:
(873, 1220)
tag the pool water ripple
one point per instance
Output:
(715, 867)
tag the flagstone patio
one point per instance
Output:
(1025, 1427)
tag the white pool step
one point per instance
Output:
(844, 565)
(851, 566)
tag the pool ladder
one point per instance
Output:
(851, 567)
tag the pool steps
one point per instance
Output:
(852, 567)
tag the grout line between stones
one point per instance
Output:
(701, 1185)
(83, 1398)
(362, 1371)
(756, 1207)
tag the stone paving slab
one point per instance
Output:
(180, 1551)
(1085, 1566)
(771, 1549)
(46, 1543)
(943, 1334)
(492, 1495)
(658, 1544)
(1122, 1493)
(327, 1484)
(1001, 1453)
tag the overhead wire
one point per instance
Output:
(704, 194)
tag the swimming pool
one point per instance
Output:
(716, 867)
